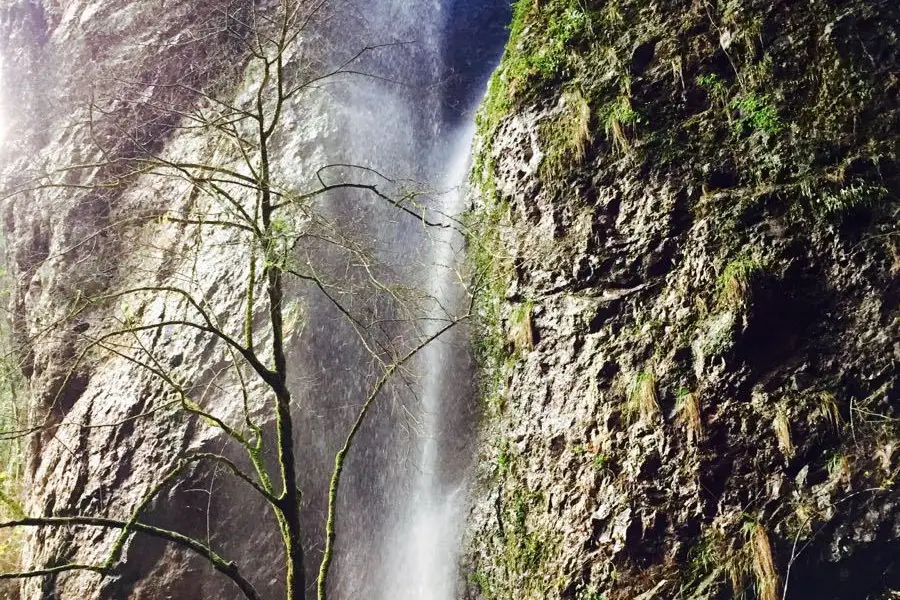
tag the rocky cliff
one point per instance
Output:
(91, 90)
(684, 234)
(687, 213)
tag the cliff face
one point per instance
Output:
(690, 356)
(110, 433)
(104, 83)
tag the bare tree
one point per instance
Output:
(268, 222)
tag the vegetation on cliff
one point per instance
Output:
(698, 203)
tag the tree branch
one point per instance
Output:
(227, 568)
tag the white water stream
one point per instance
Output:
(404, 508)
(424, 550)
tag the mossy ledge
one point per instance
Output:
(685, 234)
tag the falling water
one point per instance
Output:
(402, 495)
(405, 497)
(423, 557)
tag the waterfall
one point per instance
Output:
(405, 494)
(420, 69)
(421, 564)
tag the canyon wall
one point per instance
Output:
(688, 219)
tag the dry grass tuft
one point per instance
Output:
(783, 432)
(567, 136)
(643, 401)
(690, 416)
(829, 410)
(579, 124)
(763, 563)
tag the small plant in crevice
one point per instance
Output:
(707, 561)
(612, 13)
(828, 202)
(756, 113)
(688, 405)
(589, 592)
(643, 401)
(715, 87)
(838, 466)
(600, 461)
(482, 583)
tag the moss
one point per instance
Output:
(521, 554)
(542, 37)
(529, 546)
(521, 328)
(493, 109)
(490, 271)
(755, 112)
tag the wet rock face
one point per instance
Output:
(99, 83)
(110, 432)
(702, 252)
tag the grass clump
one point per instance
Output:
(736, 282)
(618, 122)
(742, 561)
(567, 136)
(782, 427)
(643, 400)
(715, 87)
(829, 410)
(688, 404)
(762, 562)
